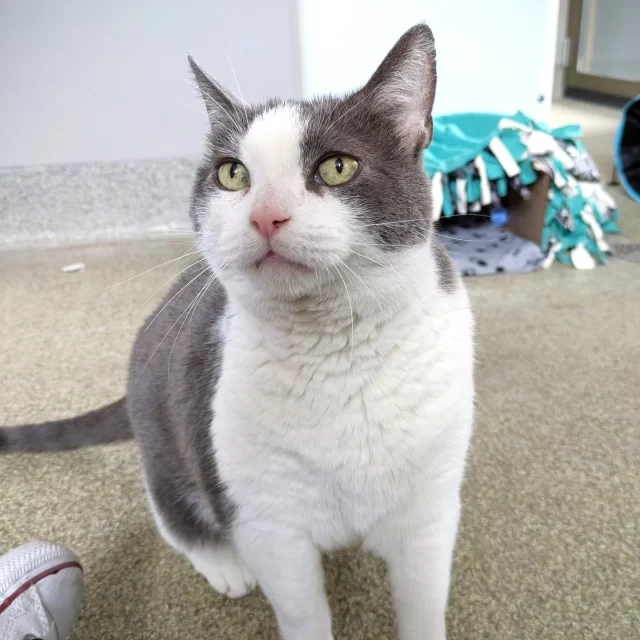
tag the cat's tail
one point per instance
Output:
(101, 426)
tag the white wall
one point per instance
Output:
(493, 55)
(84, 80)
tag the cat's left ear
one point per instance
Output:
(220, 104)
(404, 86)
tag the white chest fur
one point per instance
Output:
(307, 428)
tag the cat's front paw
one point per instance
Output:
(225, 571)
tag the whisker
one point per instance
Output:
(173, 346)
(349, 110)
(330, 113)
(166, 304)
(394, 222)
(440, 249)
(244, 106)
(195, 85)
(391, 223)
(441, 235)
(166, 334)
(387, 266)
(186, 255)
(171, 279)
(346, 266)
(433, 244)
(327, 117)
(172, 233)
(330, 273)
(426, 237)
(370, 259)
(201, 295)
(465, 215)
(194, 304)
(318, 280)
(190, 106)
(382, 244)
(351, 309)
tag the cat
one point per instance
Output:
(323, 395)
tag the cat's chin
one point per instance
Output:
(273, 277)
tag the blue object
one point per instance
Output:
(626, 148)
(499, 217)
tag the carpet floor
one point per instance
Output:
(548, 546)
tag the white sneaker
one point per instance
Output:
(41, 589)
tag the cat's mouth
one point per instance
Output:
(273, 259)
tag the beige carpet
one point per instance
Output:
(551, 523)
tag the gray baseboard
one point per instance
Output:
(90, 202)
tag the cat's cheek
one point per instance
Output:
(328, 227)
(222, 234)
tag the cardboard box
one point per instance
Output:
(526, 217)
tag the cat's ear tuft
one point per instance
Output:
(404, 85)
(220, 104)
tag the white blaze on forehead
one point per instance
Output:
(271, 149)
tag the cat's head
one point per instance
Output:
(297, 197)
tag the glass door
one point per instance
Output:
(604, 54)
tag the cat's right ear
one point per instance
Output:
(220, 104)
(404, 86)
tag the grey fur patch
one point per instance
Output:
(448, 276)
(391, 191)
(170, 407)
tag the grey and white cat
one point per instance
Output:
(324, 394)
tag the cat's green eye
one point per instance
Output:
(233, 175)
(337, 170)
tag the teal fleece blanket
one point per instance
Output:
(475, 158)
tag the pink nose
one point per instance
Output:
(266, 221)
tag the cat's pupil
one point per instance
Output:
(233, 169)
(339, 165)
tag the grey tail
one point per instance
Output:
(101, 426)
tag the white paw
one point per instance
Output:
(224, 570)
